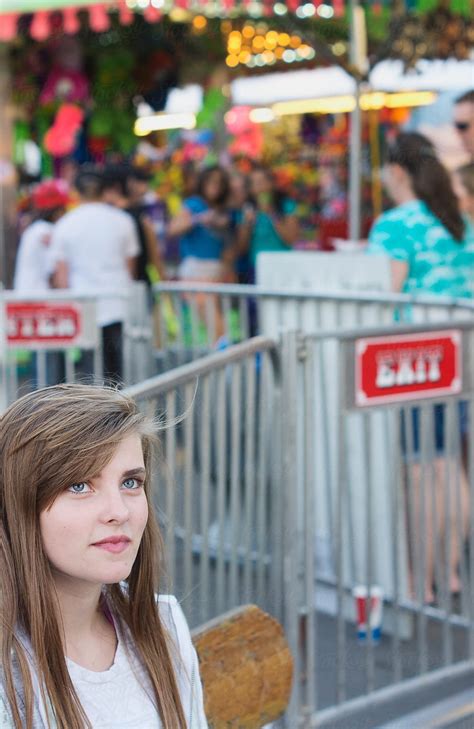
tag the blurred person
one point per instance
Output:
(203, 227)
(87, 638)
(239, 204)
(190, 179)
(463, 183)
(149, 264)
(431, 247)
(49, 200)
(94, 249)
(272, 226)
(463, 117)
(151, 216)
(425, 234)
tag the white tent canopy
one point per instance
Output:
(269, 89)
(334, 81)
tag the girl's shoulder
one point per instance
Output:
(176, 624)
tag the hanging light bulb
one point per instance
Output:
(99, 20)
(71, 24)
(39, 29)
(8, 27)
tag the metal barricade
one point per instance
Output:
(189, 316)
(383, 502)
(53, 337)
(218, 467)
(277, 486)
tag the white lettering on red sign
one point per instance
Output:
(407, 367)
(43, 323)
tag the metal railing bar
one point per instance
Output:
(247, 290)
(391, 693)
(159, 384)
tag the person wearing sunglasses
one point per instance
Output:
(464, 120)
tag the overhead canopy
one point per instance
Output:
(334, 81)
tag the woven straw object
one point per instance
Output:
(246, 669)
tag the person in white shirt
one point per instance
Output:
(49, 200)
(32, 272)
(93, 250)
(91, 644)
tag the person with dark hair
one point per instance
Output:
(49, 200)
(431, 247)
(430, 243)
(240, 203)
(202, 226)
(272, 225)
(94, 249)
(119, 192)
(463, 183)
(464, 120)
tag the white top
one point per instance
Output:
(118, 697)
(31, 267)
(122, 696)
(95, 240)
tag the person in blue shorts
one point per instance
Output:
(203, 227)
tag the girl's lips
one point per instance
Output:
(114, 547)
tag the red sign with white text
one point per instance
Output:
(407, 367)
(43, 323)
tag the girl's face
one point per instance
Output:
(213, 187)
(260, 183)
(238, 190)
(110, 509)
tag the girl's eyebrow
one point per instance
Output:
(140, 471)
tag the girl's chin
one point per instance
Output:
(112, 577)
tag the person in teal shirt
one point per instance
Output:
(430, 243)
(431, 247)
(270, 224)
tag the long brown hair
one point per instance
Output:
(49, 439)
(430, 179)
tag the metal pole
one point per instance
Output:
(358, 57)
(354, 169)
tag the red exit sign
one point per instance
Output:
(407, 367)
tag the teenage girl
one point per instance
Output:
(85, 641)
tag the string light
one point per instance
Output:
(256, 45)
(199, 22)
(325, 11)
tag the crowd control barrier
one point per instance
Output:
(187, 315)
(43, 339)
(263, 498)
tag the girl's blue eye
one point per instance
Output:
(132, 484)
(78, 488)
